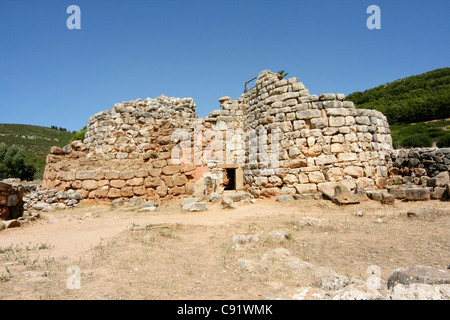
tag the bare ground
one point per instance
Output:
(183, 255)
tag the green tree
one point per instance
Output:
(12, 163)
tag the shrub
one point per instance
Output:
(417, 140)
(444, 141)
(12, 163)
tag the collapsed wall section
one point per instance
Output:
(127, 152)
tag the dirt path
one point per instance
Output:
(198, 258)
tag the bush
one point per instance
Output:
(444, 141)
(12, 163)
(79, 135)
(417, 140)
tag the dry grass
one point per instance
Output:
(123, 254)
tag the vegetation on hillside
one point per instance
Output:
(36, 142)
(417, 98)
(409, 104)
(422, 134)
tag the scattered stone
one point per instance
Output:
(426, 213)
(117, 203)
(342, 195)
(148, 204)
(374, 195)
(387, 198)
(61, 206)
(147, 209)
(419, 291)
(246, 238)
(237, 196)
(192, 204)
(276, 254)
(358, 213)
(227, 203)
(252, 266)
(279, 235)
(215, 197)
(336, 282)
(40, 206)
(296, 264)
(418, 274)
(11, 223)
(49, 208)
(134, 202)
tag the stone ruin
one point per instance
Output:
(276, 139)
(11, 203)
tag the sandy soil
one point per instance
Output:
(170, 254)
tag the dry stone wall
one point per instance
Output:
(301, 143)
(11, 202)
(278, 138)
(126, 152)
(420, 174)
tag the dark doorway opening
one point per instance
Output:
(229, 179)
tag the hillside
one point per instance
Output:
(36, 141)
(413, 99)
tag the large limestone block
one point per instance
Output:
(153, 182)
(85, 175)
(336, 121)
(135, 182)
(419, 274)
(305, 188)
(316, 177)
(308, 114)
(342, 195)
(325, 159)
(354, 171)
(90, 185)
(117, 183)
(114, 193)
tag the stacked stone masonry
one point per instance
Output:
(11, 202)
(420, 174)
(275, 139)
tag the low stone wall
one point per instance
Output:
(11, 202)
(420, 174)
(49, 200)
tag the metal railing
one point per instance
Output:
(247, 89)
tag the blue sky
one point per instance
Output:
(50, 75)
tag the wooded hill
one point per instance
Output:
(410, 104)
(413, 99)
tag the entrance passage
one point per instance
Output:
(229, 178)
